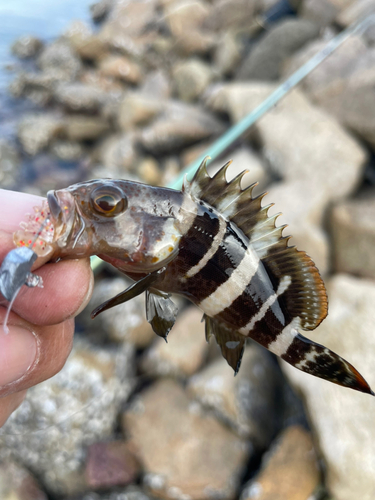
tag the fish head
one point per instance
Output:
(131, 225)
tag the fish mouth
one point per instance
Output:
(63, 211)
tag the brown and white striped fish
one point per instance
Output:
(215, 244)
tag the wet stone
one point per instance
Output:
(27, 46)
(342, 418)
(246, 402)
(110, 464)
(289, 471)
(50, 431)
(80, 97)
(16, 483)
(36, 131)
(60, 59)
(185, 351)
(185, 453)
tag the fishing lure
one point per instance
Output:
(213, 243)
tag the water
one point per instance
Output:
(46, 20)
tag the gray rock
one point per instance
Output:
(80, 97)
(67, 150)
(83, 128)
(59, 58)
(185, 351)
(289, 471)
(157, 84)
(237, 15)
(37, 87)
(280, 42)
(100, 10)
(59, 418)
(357, 11)
(341, 418)
(191, 78)
(16, 483)
(9, 164)
(36, 131)
(184, 452)
(323, 12)
(27, 46)
(227, 54)
(125, 322)
(129, 493)
(186, 16)
(138, 108)
(180, 126)
(353, 230)
(117, 153)
(86, 44)
(246, 402)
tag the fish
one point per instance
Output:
(213, 243)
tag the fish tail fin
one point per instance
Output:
(318, 360)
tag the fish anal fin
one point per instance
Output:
(161, 312)
(232, 344)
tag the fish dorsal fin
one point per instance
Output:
(306, 296)
(161, 312)
(232, 344)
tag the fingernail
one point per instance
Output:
(18, 351)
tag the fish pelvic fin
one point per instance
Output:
(318, 360)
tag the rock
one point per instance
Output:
(301, 142)
(59, 59)
(237, 15)
(100, 10)
(157, 84)
(323, 12)
(67, 150)
(290, 471)
(118, 153)
(341, 418)
(125, 322)
(36, 131)
(110, 464)
(195, 43)
(84, 42)
(283, 39)
(353, 230)
(16, 483)
(180, 126)
(191, 78)
(80, 97)
(138, 108)
(186, 16)
(185, 351)
(129, 493)
(121, 67)
(37, 87)
(85, 128)
(184, 453)
(26, 46)
(59, 418)
(9, 164)
(343, 85)
(227, 54)
(247, 402)
(149, 171)
(356, 11)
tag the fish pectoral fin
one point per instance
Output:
(135, 289)
(161, 312)
(232, 344)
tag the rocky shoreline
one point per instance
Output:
(140, 95)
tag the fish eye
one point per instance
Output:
(108, 201)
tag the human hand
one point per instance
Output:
(41, 324)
